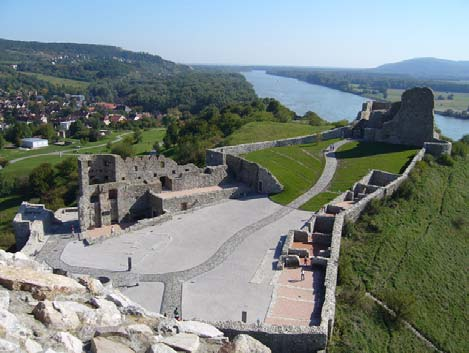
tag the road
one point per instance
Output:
(57, 153)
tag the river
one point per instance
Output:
(329, 103)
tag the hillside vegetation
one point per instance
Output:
(296, 167)
(269, 130)
(411, 252)
(107, 73)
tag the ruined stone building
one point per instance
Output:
(408, 122)
(116, 190)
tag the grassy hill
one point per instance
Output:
(108, 73)
(409, 251)
(355, 160)
(296, 167)
(270, 130)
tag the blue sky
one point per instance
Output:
(352, 33)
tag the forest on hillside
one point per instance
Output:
(106, 73)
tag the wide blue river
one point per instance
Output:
(329, 103)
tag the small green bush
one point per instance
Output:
(373, 207)
(459, 149)
(3, 162)
(405, 191)
(459, 222)
(446, 160)
(401, 302)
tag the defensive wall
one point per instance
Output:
(324, 227)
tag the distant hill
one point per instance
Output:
(110, 73)
(429, 68)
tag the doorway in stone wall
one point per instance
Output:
(165, 183)
(259, 186)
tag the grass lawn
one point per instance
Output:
(8, 208)
(417, 247)
(268, 131)
(14, 153)
(296, 167)
(355, 160)
(150, 136)
(58, 81)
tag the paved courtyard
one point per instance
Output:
(176, 245)
(241, 282)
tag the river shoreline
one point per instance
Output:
(329, 103)
(456, 114)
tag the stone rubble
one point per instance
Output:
(43, 312)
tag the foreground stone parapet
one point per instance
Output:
(41, 284)
(186, 342)
(104, 345)
(199, 328)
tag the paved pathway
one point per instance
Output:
(324, 179)
(58, 153)
(173, 281)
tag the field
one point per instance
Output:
(58, 81)
(296, 167)
(268, 131)
(416, 247)
(355, 160)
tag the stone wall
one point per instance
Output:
(188, 202)
(280, 339)
(31, 221)
(115, 190)
(217, 156)
(438, 148)
(253, 175)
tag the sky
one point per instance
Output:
(331, 33)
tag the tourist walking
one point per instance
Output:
(176, 313)
(302, 274)
(306, 260)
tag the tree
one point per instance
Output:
(314, 119)
(41, 179)
(123, 149)
(2, 142)
(137, 136)
(172, 134)
(46, 131)
(18, 132)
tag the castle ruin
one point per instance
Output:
(116, 190)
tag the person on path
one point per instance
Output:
(306, 260)
(176, 314)
(302, 274)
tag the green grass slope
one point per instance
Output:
(269, 130)
(296, 167)
(355, 160)
(415, 247)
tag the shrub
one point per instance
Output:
(348, 229)
(3, 162)
(373, 207)
(123, 149)
(405, 191)
(373, 227)
(429, 159)
(402, 303)
(459, 149)
(459, 222)
(446, 160)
